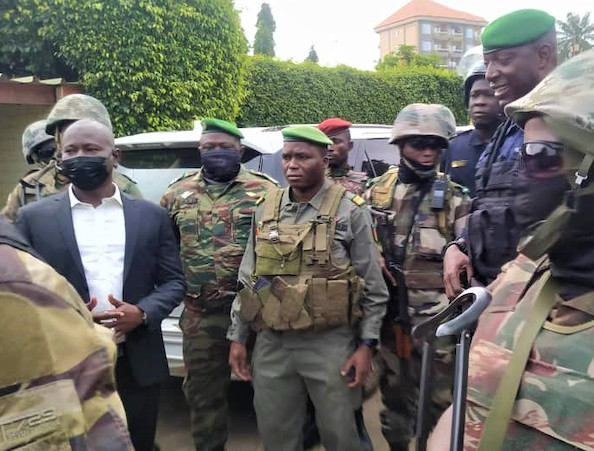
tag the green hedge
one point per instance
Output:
(281, 92)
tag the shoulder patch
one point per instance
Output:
(358, 200)
(183, 176)
(263, 175)
(260, 200)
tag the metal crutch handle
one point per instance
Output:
(467, 319)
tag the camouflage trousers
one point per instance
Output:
(206, 354)
(400, 391)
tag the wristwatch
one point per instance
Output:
(371, 343)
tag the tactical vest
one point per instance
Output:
(492, 232)
(554, 403)
(297, 284)
(422, 266)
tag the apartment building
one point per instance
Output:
(432, 28)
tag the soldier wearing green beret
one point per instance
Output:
(520, 49)
(212, 211)
(418, 211)
(48, 179)
(312, 289)
(530, 370)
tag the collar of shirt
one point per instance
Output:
(240, 178)
(117, 197)
(315, 202)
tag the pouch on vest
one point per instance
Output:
(278, 249)
(250, 304)
(357, 287)
(271, 310)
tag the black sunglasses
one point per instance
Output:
(542, 156)
(426, 142)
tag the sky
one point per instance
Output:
(342, 30)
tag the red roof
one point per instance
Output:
(428, 8)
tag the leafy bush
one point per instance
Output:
(156, 64)
(285, 92)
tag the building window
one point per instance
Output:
(426, 28)
(457, 30)
(426, 46)
(457, 49)
(469, 33)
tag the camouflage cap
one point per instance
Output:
(75, 107)
(422, 119)
(34, 135)
(566, 100)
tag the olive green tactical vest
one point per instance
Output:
(297, 284)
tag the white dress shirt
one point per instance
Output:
(101, 237)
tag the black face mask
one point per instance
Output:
(220, 165)
(572, 257)
(86, 173)
(536, 199)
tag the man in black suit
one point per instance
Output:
(121, 255)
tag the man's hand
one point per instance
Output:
(360, 362)
(92, 303)
(238, 361)
(127, 316)
(455, 262)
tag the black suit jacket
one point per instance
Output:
(153, 275)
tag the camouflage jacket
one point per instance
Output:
(47, 181)
(214, 222)
(57, 383)
(555, 404)
(353, 181)
(431, 230)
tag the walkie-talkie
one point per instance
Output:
(440, 186)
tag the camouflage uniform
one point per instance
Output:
(57, 387)
(553, 405)
(430, 230)
(47, 181)
(214, 222)
(353, 181)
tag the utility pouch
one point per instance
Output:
(250, 304)
(293, 302)
(278, 252)
(328, 302)
(271, 310)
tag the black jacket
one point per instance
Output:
(153, 275)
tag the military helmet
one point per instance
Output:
(75, 107)
(33, 136)
(425, 120)
(476, 72)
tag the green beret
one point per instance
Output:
(212, 125)
(516, 29)
(305, 133)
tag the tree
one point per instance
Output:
(407, 55)
(156, 64)
(312, 57)
(264, 40)
(575, 35)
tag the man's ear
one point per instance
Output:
(116, 154)
(545, 56)
(351, 144)
(241, 150)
